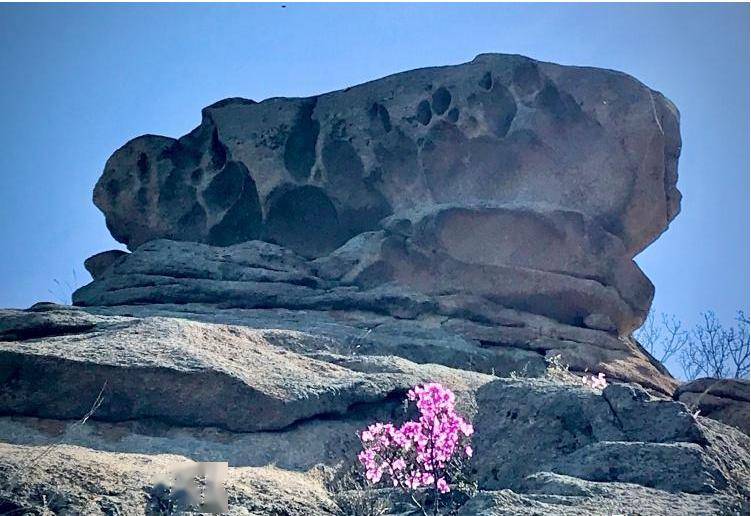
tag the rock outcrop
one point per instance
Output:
(296, 265)
(547, 179)
(174, 371)
(283, 408)
(499, 129)
(257, 283)
(75, 480)
(496, 205)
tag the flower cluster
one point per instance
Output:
(595, 382)
(423, 453)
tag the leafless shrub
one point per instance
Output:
(708, 349)
(354, 497)
(352, 346)
(717, 351)
(362, 502)
(663, 338)
(557, 370)
(63, 290)
(34, 460)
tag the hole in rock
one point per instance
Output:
(305, 220)
(300, 148)
(486, 82)
(441, 100)
(423, 112)
(242, 222)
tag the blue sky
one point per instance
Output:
(78, 81)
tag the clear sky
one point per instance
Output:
(78, 81)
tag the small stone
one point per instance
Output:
(600, 322)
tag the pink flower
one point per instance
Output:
(366, 456)
(595, 382)
(600, 381)
(374, 475)
(418, 452)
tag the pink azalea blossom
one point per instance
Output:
(422, 453)
(595, 382)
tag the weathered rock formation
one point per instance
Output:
(546, 180)
(497, 204)
(250, 283)
(297, 265)
(499, 129)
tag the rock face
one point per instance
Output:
(297, 265)
(283, 408)
(262, 387)
(544, 449)
(257, 283)
(72, 479)
(548, 179)
(725, 400)
(620, 436)
(499, 129)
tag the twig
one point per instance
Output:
(32, 461)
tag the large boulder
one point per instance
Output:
(501, 128)
(532, 183)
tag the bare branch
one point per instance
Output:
(716, 351)
(708, 349)
(663, 339)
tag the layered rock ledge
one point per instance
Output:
(725, 400)
(283, 407)
(265, 285)
(494, 207)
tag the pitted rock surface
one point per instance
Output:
(554, 176)
(501, 128)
